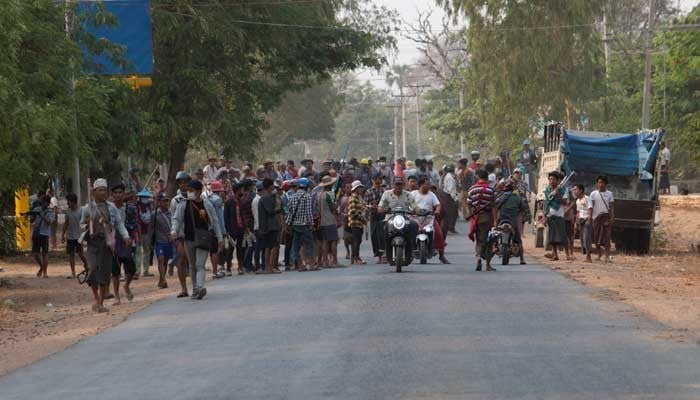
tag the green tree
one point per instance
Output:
(220, 68)
(526, 56)
(35, 82)
(307, 114)
(365, 123)
(681, 80)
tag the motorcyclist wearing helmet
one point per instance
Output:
(475, 157)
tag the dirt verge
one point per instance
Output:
(39, 317)
(664, 285)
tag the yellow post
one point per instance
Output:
(23, 230)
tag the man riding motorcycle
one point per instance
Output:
(428, 201)
(512, 207)
(398, 197)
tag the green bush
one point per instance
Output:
(8, 239)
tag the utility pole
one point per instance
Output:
(418, 89)
(461, 135)
(376, 135)
(647, 66)
(403, 121)
(403, 126)
(606, 46)
(394, 109)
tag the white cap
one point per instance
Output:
(355, 185)
(99, 183)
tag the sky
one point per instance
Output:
(408, 12)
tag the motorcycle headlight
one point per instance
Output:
(428, 228)
(399, 222)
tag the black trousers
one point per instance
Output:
(377, 233)
(356, 241)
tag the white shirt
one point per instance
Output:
(666, 155)
(426, 201)
(210, 173)
(599, 199)
(450, 185)
(583, 207)
(256, 220)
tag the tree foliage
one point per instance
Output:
(525, 56)
(220, 69)
(681, 79)
(535, 61)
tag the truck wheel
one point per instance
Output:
(644, 241)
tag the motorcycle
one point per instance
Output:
(501, 240)
(424, 240)
(398, 250)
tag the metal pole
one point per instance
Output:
(461, 135)
(403, 127)
(396, 133)
(647, 66)
(418, 138)
(606, 46)
(376, 134)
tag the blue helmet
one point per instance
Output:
(303, 182)
(144, 193)
(181, 175)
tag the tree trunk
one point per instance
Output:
(176, 162)
(569, 111)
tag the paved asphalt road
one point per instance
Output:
(434, 332)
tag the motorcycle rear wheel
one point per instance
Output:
(423, 252)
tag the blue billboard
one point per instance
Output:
(133, 31)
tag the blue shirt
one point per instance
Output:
(43, 222)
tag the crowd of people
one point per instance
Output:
(283, 217)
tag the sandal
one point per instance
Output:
(129, 295)
(183, 294)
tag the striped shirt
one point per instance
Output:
(481, 198)
(372, 197)
(300, 209)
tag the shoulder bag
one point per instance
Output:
(202, 237)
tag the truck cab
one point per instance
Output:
(628, 160)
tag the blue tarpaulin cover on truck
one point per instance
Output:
(133, 32)
(617, 155)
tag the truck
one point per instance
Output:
(630, 163)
